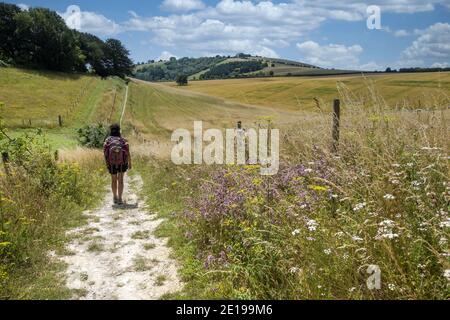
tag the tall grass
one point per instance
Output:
(313, 231)
(40, 199)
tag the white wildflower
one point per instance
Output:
(389, 197)
(327, 251)
(357, 239)
(294, 270)
(360, 206)
(308, 170)
(391, 286)
(445, 223)
(312, 225)
(385, 230)
(447, 274)
(295, 232)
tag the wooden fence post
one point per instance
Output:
(60, 120)
(336, 124)
(5, 159)
(29, 122)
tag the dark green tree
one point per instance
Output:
(182, 80)
(8, 43)
(116, 60)
(44, 40)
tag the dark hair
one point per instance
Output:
(115, 130)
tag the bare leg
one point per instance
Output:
(114, 182)
(120, 187)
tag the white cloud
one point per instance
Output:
(331, 55)
(182, 5)
(440, 65)
(401, 33)
(433, 43)
(89, 21)
(165, 56)
(23, 7)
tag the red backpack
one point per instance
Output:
(116, 151)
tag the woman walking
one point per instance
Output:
(118, 161)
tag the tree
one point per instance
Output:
(389, 70)
(7, 28)
(116, 60)
(182, 80)
(271, 73)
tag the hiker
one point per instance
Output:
(118, 160)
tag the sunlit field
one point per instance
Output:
(414, 91)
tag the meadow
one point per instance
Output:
(311, 232)
(412, 91)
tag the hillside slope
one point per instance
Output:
(224, 67)
(35, 99)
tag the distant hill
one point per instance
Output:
(226, 67)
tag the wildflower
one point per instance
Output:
(447, 274)
(294, 270)
(357, 239)
(445, 223)
(308, 170)
(352, 289)
(327, 251)
(385, 230)
(395, 182)
(442, 241)
(310, 239)
(360, 206)
(295, 232)
(389, 197)
(391, 286)
(312, 225)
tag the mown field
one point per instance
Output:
(419, 90)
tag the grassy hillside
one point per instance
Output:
(418, 90)
(36, 98)
(197, 68)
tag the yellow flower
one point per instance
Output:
(318, 188)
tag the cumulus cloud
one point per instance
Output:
(89, 21)
(165, 56)
(23, 7)
(331, 55)
(182, 5)
(433, 43)
(401, 33)
(440, 65)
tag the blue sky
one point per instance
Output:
(321, 32)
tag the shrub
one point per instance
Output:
(93, 135)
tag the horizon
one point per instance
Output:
(414, 34)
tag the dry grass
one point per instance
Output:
(298, 93)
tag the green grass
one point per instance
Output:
(39, 97)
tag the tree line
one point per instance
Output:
(233, 69)
(40, 38)
(170, 70)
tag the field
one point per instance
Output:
(298, 93)
(310, 232)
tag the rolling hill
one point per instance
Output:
(227, 67)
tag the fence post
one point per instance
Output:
(336, 123)
(29, 122)
(60, 121)
(5, 159)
